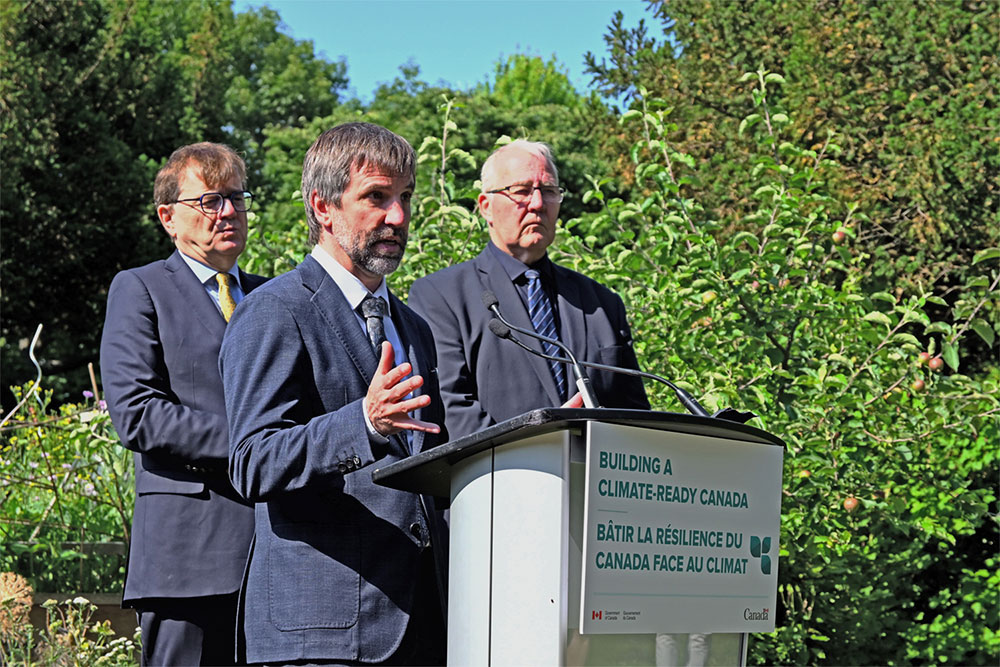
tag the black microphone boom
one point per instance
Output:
(501, 329)
(582, 381)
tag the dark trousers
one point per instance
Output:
(188, 631)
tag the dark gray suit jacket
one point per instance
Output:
(485, 380)
(160, 369)
(336, 559)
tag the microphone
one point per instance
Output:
(582, 381)
(502, 329)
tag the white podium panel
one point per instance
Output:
(509, 521)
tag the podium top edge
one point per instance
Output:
(428, 471)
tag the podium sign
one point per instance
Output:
(679, 536)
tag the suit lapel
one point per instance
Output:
(341, 319)
(334, 309)
(497, 281)
(192, 292)
(250, 282)
(572, 323)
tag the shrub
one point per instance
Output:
(66, 484)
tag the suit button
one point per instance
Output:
(417, 531)
(357, 461)
(341, 468)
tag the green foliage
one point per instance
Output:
(95, 95)
(778, 319)
(66, 484)
(910, 87)
(523, 81)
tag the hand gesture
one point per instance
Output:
(387, 404)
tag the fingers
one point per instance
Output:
(575, 402)
(389, 399)
(386, 360)
(410, 424)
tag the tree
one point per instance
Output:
(523, 81)
(74, 185)
(911, 89)
(905, 571)
(95, 96)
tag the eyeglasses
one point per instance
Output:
(522, 193)
(213, 202)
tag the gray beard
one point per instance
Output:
(362, 251)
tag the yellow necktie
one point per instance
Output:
(225, 296)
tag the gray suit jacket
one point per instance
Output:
(160, 370)
(336, 559)
(485, 380)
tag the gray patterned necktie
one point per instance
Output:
(373, 309)
(542, 318)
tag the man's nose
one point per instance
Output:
(536, 201)
(396, 214)
(228, 210)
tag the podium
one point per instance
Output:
(595, 536)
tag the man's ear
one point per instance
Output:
(165, 212)
(484, 208)
(322, 210)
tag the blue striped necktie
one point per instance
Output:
(542, 319)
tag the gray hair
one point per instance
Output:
(329, 161)
(542, 150)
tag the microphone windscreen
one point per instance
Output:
(490, 300)
(499, 329)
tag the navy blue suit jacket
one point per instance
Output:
(486, 380)
(159, 365)
(336, 559)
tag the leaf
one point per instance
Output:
(774, 77)
(985, 331)
(747, 237)
(629, 115)
(983, 255)
(779, 118)
(738, 274)
(748, 122)
(906, 338)
(938, 327)
(884, 296)
(878, 317)
(950, 354)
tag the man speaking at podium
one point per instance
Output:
(327, 375)
(485, 380)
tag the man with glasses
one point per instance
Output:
(159, 362)
(485, 380)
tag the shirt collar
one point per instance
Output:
(206, 273)
(351, 287)
(515, 268)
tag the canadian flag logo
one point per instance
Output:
(596, 615)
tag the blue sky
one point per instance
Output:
(453, 41)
